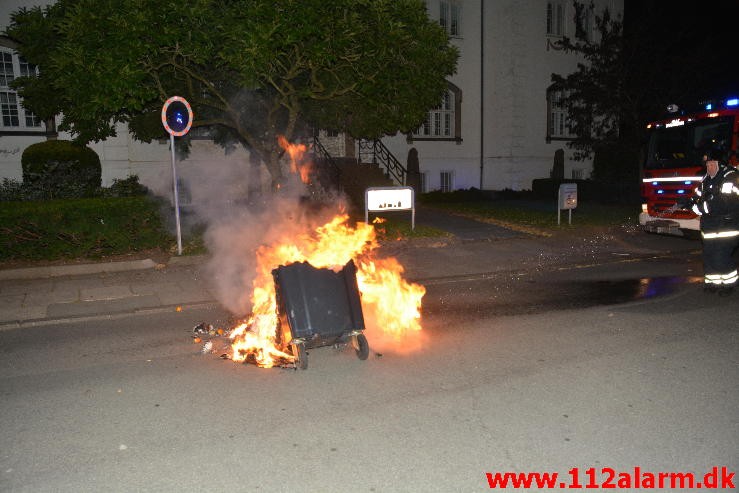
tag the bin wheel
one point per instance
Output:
(361, 346)
(301, 356)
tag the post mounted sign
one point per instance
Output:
(567, 200)
(380, 199)
(177, 116)
(568, 196)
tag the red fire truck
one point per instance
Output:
(673, 165)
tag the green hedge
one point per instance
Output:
(80, 228)
(14, 190)
(61, 169)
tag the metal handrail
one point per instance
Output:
(324, 156)
(377, 153)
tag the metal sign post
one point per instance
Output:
(379, 199)
(177, 120)
(176, 198)
(567, 199)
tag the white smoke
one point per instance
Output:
(234, 203)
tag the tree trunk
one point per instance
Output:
(275, 170)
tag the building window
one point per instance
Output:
(558, 125)
(446, 181)
(9, 109)
(440, 120)
(587, 25)
(584, 19)
(443, 122)
(12, 114)
(555, 18)
(450, 17)
(6, 69)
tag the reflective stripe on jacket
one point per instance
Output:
(716, 201)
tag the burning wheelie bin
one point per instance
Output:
(318, 307)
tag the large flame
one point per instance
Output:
(391, 302)
(296, 153)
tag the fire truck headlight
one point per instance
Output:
(644, 208)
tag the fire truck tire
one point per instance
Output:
(301, 356)
(361, 346)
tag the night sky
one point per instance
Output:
(693, 45)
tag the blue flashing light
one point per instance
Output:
(732, 102)
(654, 183)
(660, 191)
(681, 191)
(709, 107)
(687, 182)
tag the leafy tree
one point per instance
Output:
(594, 94)
(251, 69)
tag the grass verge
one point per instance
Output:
(98, 228)
(80, 228)
(543, 216)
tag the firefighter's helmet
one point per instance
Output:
(716, 154)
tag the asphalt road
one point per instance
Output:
(534, 372)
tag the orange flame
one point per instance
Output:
(395, 303)
(296, 153)
(391, 302)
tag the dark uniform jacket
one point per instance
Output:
(716, 201)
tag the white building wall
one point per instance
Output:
(11, 150)
(518, 65)
(462, 158)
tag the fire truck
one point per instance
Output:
(673, 164)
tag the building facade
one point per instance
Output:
(498, 126)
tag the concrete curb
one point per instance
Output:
(94, 268)
(75, 270)
(42, 322)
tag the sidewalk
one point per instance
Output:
(45, 295)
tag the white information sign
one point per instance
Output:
(379, 199)
(567, 199)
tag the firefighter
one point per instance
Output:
(716, 201)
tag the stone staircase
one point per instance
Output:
(376, 166)
(356, 178)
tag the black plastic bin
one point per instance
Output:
(319, 307)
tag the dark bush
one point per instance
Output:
(625, 192)
(15, 191)
(469, 195)
(61, 169)
(128, 187)
(11, 191)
